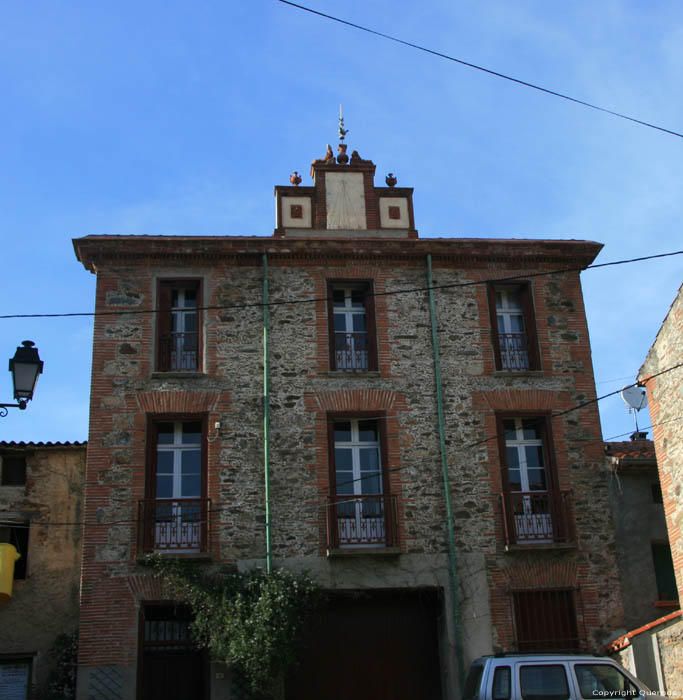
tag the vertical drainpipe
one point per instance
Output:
(266, 424)
(457, 625)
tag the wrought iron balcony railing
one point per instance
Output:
(514, 351)
(179, 352)
(367, 520)
(174, 524)
(537, 517)
(351, 351)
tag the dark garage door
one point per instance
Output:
(371, 646)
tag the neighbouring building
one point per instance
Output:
(368, 418)
(662, 375)
(41, 490)
(648, 583)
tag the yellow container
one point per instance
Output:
(8, 555)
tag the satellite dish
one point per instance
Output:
(635, 397)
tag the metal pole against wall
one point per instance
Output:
(457, 624)
(266, 417)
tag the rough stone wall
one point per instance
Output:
(665, 397)
(670, 642)
(126, 389)
(45, 604)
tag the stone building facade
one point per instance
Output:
(662, 375)
(41, 491)
(367, 422)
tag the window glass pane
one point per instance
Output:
(192, 433)
(532, 428)
(603, 680)
(164, 462)
(164, 485)
(515, 480)
(342, 432)
(516, 324)
(338, 297)
(367, 431)
(165, 433)
(358, 323)
(537, 480)
(509, 428)
(501, 683)
(190, 297)
(499, 300)
(514, 299)
(343, 458)
(501, 324)
(512, 457)
(547, 682)
(191, 462)
(190, 323)
(534, 457)
(174, 298)
(370, 484)
(339, 323)
(345, 482)
(358, 299)
(191, 486)
(369, 459)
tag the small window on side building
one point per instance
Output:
(13, 471)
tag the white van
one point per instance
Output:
(549, 677)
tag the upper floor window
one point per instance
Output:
(534, 510)
(352, 326)
(178, 326)
(360, 511)
(664, 571)
(12, 471)
(175, 511)
(513, 327)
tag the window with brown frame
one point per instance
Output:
(545, 620)
(535, 511)
(351, 319)
(175, 513)
(179, 326)
(360, 510)
(513, 327)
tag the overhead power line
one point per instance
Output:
(467, 64)
(312, 300)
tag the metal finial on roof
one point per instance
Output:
(342, 130)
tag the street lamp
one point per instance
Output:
(25, 367)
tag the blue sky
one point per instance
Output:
(178, 118)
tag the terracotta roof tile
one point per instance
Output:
(631, 449)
